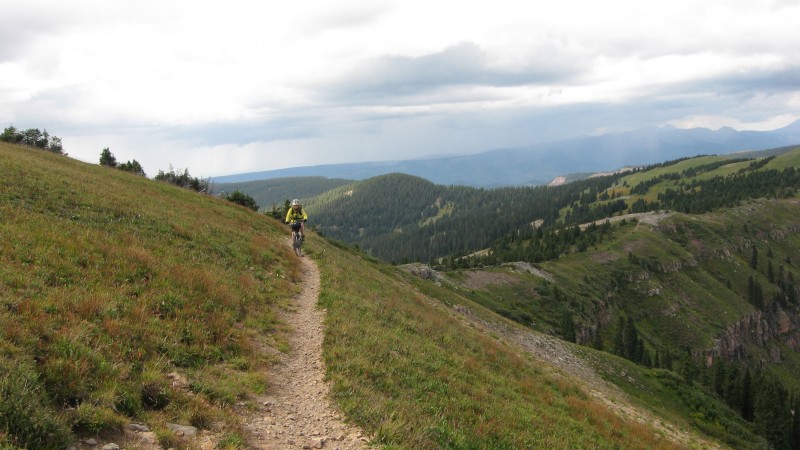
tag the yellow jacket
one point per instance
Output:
(296, 215)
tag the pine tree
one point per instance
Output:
(567, 326)
(755, 295)
(732, 388)
(619, 341)
(718, 377)
(795, 437)
(770, 272)
(747, 396)
(597, 342)
(771, 415)
(107, 158)
(630, 340)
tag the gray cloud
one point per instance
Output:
(752, 96)
(767, 81)
(22, 24)
(19, 29)
(348, 18)
(461, 65)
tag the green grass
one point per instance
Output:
(111, 281)
(788, 159)
(412, 375)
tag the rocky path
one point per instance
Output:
(296, 412)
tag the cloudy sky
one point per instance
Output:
(241, 86)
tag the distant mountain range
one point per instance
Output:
(539, 164)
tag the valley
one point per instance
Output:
(538, 317)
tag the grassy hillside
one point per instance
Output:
(407, 369)
(114, 286)
(109, 282)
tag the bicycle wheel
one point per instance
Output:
(296, 243)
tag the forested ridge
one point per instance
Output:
(401, 218)
(692, 196)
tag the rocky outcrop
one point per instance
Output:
(759, 328)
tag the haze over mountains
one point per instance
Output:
(539, 164)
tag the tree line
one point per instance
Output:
(109, 160)
(401, 218)
(178, 178)
(33, 138)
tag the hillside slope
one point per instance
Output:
(112, 285)
(705, 297)
(418, 366)
(127, 300)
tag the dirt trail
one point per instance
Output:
(296, 412)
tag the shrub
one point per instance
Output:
(240, 198)
(92, 419)
(155, 395)
(25, 416)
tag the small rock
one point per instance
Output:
(138, 428)
(182, 430)
(90, 441)
(111, 446)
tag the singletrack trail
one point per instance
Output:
(296, 412)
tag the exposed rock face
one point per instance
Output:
(423, 271)
(761, 329)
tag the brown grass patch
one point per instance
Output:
(479, 279)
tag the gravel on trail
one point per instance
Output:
(296, 411)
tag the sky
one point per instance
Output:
(239, 86)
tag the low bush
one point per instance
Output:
(26, 420)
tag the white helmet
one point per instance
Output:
(295, 202)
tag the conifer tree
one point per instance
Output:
(567, 326)
(771, 415)
(795, 435)
(630, 340)
(747, 396)
(619, 341)
(107, 158)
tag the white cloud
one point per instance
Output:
(246, 86)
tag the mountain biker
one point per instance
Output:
(297, 214)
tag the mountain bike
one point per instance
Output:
(297, 239)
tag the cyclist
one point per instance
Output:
(297, 214)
